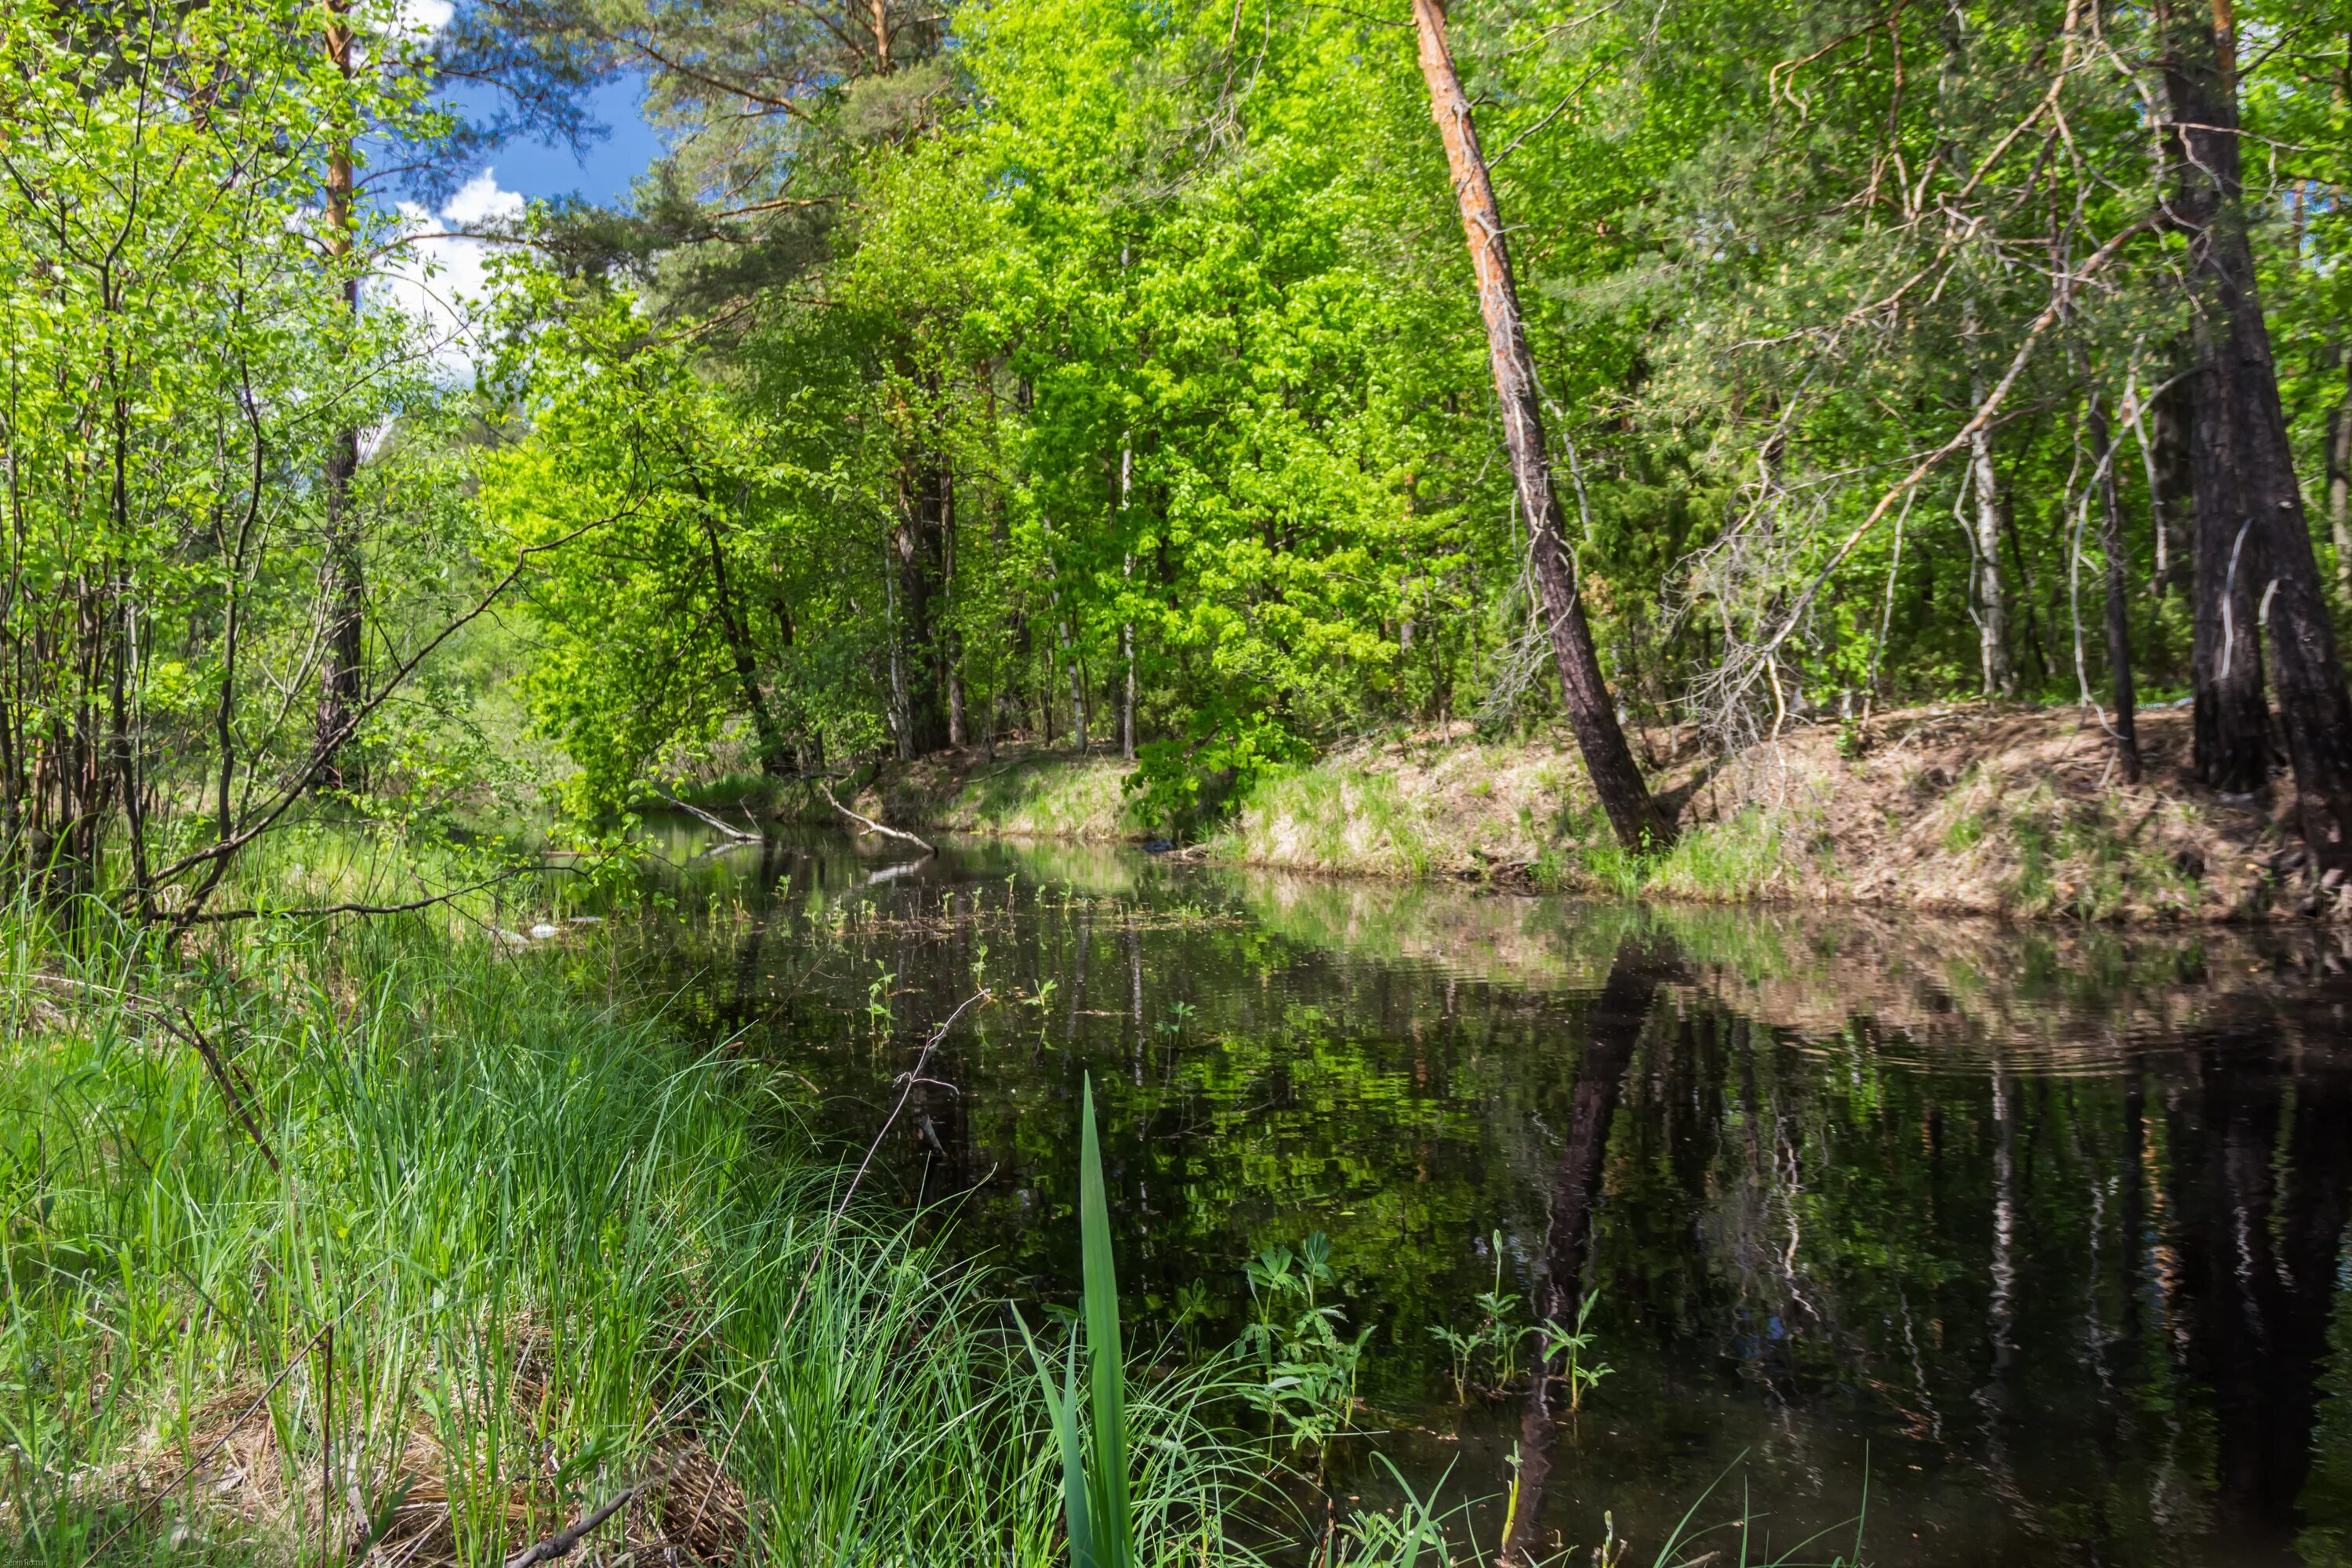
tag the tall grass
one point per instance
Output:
(388, 1243)
(438, 1257)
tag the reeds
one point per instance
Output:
(432, 1257)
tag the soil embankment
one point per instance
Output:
(1970, 808)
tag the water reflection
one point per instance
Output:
(2042, 1232)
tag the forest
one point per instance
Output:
(1093, 378)
(1881, 453)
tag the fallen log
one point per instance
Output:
(870, 824)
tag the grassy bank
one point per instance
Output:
(1974, 809)
(384, 1238)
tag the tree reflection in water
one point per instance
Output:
(2046, 1228)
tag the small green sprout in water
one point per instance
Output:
(1575, 1345)
(1496, 1340)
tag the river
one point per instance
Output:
(2018, 1244)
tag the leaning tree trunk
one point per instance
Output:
(2267, 572)
(339, 675)
(1615, 777)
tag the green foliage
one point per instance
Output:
(1307, 1365)
(177, 363)
(558, 1252)
(1136, 362)
(1094, 1467)
(1495, 1341)
(1570, 1347)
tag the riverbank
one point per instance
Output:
(1979, 809)
(384, 1241)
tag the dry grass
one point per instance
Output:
(1968, 809)
(1972, 809)
(236, 1487)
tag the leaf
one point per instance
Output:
(1108, 1490)
(1061, 1407)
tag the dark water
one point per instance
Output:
(2038, 1236)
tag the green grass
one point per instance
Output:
(558, 1257)
(1332, 816)
(382, 1233)
(1739, 858)
(1043, 797)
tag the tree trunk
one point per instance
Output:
(951, 636)
(920, 546)
(2254, 558)
(2339, 475)
(1069, 656)
(775, 755)
(1992, 606)
(2111, 545)
(1078, 692)
(339, 671)
(1127, 627)
(1984, 533)
(895, 639)
(2232, 721)
(338, 674)
(2172, 484)
(1591, 711)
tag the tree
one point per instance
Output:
(2254, 559)
(177, 362)
(1615, 777)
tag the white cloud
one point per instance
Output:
(426, 16)
(438, 276)
(479, 200)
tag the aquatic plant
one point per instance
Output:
(1568, 1347)
(1094, 1465)
(1309, 1367)
(1496, 1340)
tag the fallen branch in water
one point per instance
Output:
(701, 815)
(869, 824)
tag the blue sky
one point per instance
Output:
(602, 175)
(439, 275)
